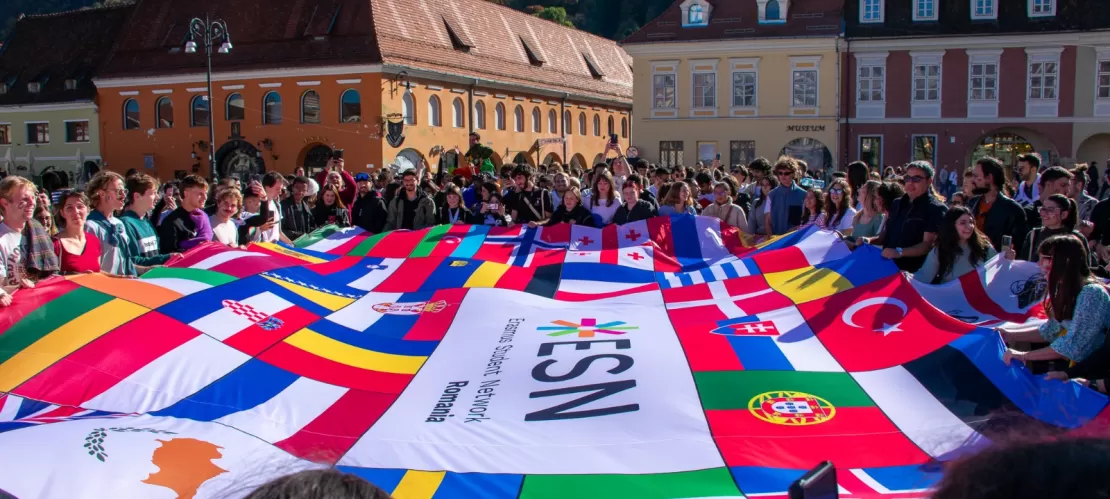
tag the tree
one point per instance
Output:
(556, 15)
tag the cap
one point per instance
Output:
(362, 177)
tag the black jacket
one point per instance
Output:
(579, 215)
(369, 212)
(296, 222)
(646, 195)
(176, 227)
(642, 210)
(443, 215)
(324, 215)
(1005, 218)
(1033, 214)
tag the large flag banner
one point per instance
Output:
(662, 359)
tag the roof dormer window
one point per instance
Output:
(34, 87)
(871, 11)
(695, 13)
(984, 9)
(925, 10)
(3, 88)
(71, 84)
(1042, 8)
(773, 11)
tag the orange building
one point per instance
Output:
(306, 76)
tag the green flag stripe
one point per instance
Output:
(431, 239)
(316, 236)
(209, 277)
(715, 482)
(43, 321)
(721, 390)
(367, 244)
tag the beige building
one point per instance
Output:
(739, 80)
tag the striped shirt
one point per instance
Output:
(115, 253)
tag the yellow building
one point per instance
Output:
(737, 80)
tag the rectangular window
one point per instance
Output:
(926, 10)
(743, 89)
(77, 131)
(1103, 81)
(805, 89)
(984, 9)
(984, 81)
(5, 134)
(871, 11)
(925, 148)
(670, 153)
(663, 89)
(1040, 8)
(741, 152)
(705, 90)
(1043, 80)
(871, 83)
(926, 83)
(707, 152)
(38, 133)
(871, 151)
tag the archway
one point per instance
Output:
(314, 158)
(496, 160)
(406, 159)
(523, 158)
(240, 159)
(578, 161)
(600, 158)
(1007, 144)
(810, 150)
(552, 158)
(1094, 148)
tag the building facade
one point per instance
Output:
(357, 75)
(950, 81)
(738, 79)
(48, 107)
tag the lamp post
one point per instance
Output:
(210, 32)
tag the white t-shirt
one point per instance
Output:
(273, 234)
(226, 233)
(11, 255)
(845, 221)
(606, 212)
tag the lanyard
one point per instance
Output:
(454, 215)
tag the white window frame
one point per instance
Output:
(518, 119)
(784, 11)
(1102, 105)
(1048, 13)
(744, 65)
(926, 108)
(537, 120)
(993, 9)
(688, 5)
(435, 111)
(458, 113)
(408, 108)
(65, 132)
(795, 61)
(693, 88)
(983, 108)
(479, 118)
(917, 4)
(863, 12)
(552, 122)
(870, 109)
(1042, 107)
(666, 111)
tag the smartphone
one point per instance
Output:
(817, 483)
(613, 139)
(271, 215)
(494, 206)
(1007, 241)
(337, 154)
(718, 156)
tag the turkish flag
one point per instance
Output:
(883, 324)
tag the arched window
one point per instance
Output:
(772, 11)
(552, 125)
(271, 109)
(624, 128)
(236, 108)
(310, 107)
(350, 107)
(131, 114)
(457, 113)
(433, 111)
(697, 15)
(566, 123)
(536, 118)
(499, 116)
(582, 124)
(518, 119)
(480, 115)
(408, 108)
(597, 125)
(164, 113)
(612, 126)
(199, 111)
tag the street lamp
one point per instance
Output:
(210, 32)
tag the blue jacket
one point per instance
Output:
(786, 208)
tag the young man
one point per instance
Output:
(995, 214)
(273, 183)
(142, 192)
(634, 209)
(641, 193)
(368, 210)
(184, 228)
(661, 176)
(788, 199)
(1077, 190)
(411, 207)
(26, 251)
(911, 230)
(1055, 180)
(705, 190)
(296, 215)
(758, 169)
(529, 203)
(1028, 191)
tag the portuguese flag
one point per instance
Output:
(797, 419)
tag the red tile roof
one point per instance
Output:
(739, 19)
(52, 48)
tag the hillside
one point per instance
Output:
(612, 19)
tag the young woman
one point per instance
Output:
(814, 208)
(1077, 305)
(679, 201)
(961, 248)
(330, 210)
(869, 220)
(77, 250)
(453, 212)
(604, 200)
(106, 195)
(485, 191)
(571, 210)
(839, 213)
(724, 209)
(45, 218)
(492, 210)
(1058, 216)
(759, 218)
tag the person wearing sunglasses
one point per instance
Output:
(911, 230)
(788, 199)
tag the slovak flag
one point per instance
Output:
(763, 328)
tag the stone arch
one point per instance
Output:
(240, 159)
(313, 157)
(552, 158)
(1007, 142)
(599, 158)
(1094, 148)
(579, 161)
(405, 159)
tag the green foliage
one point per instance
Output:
(557, 15)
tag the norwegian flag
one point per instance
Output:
(523, 246)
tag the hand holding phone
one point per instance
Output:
(1007, 241)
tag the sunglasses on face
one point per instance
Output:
(913, 179)
(836, 191)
